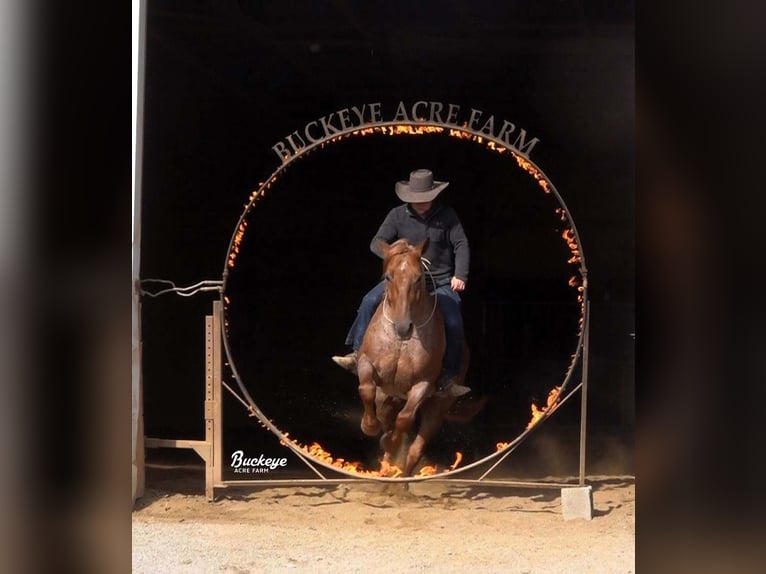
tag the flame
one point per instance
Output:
(568, 235)
(428, 470)
(534, 172)
(237, 241)
(460, 134)
(389, 470)
(410, 130)
(501, 445)
(537, 412)
(364, 132)
(495, 147)
(464, 135)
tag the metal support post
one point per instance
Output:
(584, 392)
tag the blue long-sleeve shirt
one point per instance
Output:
(448, 249)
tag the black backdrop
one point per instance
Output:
(225, 81)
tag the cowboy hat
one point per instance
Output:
(420, 188)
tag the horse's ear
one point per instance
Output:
(384, 247)
(422, 246)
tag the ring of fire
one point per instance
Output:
(577, 281)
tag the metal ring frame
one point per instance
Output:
(414, 128)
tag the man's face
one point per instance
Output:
(422, 208)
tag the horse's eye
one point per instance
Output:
(387, 277)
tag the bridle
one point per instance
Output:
(425, 263)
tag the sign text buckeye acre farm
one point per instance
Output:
(427, 112)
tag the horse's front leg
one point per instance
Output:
(431, 419)
(406, 417)
(370, 423)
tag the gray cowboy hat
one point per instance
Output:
(421, 187)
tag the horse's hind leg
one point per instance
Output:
(370, 423)
(431, 420)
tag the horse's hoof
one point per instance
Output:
(371, 430)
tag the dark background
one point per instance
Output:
(226, 80)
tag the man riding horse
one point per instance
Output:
(446, 257)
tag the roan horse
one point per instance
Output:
(401, 358)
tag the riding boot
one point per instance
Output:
(348, 362)
(449, 385)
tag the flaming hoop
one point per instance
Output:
(314, 452)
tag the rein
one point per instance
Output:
(425, 263)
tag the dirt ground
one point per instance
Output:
(373, 527)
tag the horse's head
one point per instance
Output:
(405, 283)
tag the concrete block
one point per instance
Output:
(577, 502)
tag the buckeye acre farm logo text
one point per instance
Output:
(347, 120)
(244, 465)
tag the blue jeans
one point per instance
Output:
(449, 303)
